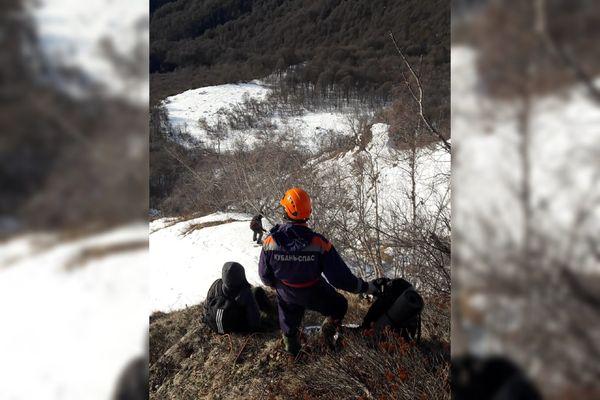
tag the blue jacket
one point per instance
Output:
(294, 256)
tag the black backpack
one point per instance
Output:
(399, 307)
(222, 313)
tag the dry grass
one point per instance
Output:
(195, 227)
(175, 220)
(188, 361)
(91, 253)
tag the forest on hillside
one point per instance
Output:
(330, 43)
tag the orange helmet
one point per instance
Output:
(297, 204)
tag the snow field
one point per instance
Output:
(182, 268)
(185, 109)
(69, 333)
(565, 139)
(394, 182)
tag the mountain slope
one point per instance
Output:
(187, 255)
(187, 360)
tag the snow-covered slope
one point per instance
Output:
(185, 109)
(432, 170)
(76, 33)
(73, 313)
(183, 266)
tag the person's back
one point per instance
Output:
(256, 222)
(257, 228)
(292, 261)
(230, 305)
(297, 256)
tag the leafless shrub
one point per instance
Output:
(195, 227)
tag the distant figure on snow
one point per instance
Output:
(233, 305)
(292, 260)
(257, 228)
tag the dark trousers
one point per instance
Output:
(262, 300)
(268, 314)
(257, 236)
(322, 298)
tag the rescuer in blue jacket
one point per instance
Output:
(293, 261)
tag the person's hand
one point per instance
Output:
(373, 289)
(381, 282)
(376, 286)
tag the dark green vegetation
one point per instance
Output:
(331, 43)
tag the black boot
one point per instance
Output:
(291, 344)
(329, 329)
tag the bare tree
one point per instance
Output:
(560, 53)
(533, 275)
(417, 95)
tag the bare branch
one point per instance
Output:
(419, 98)
(560, 53)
